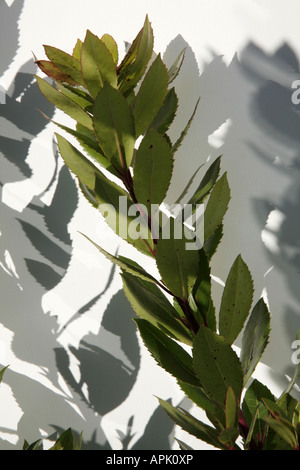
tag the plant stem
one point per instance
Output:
(191, 320)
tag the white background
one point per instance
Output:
(241, 59)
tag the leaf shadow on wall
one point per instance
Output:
(108, 362)
(246, 115)
(35, 254)
(273, 111)
(39, 247)
(40, 244)
(9, 29)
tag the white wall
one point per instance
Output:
(66, 330)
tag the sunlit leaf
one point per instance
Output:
(185, 130)
(167, 352)
(67, 63)
(178, 266)
(111, 45)
(135, 61)
(97, 64)
(191, 425)
(152, 169)
(231, 408)
(174, 70)
(116, 207)
(255, 338)
(114, 127)
(253, 406)
(216, 364)
(77, 162)
(202, 293)
(64, 103)
(150, 96)
(236, 300)
(48, 68)
(206, 183)
(2, 373)
(150, 303)
(125, 264)
(77, 50)
(216, 206)
(166, 113)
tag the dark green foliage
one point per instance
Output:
(65, 441)
(122, 114)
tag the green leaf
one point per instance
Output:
(2, 373)
(296, 416)
(211, 244)
(283, 430)
(57, 446)
(166, 114)
(228, 437)
(135, 61)
(216, 364)
(88, 142)
(188, 185)
(77, 50)
(88, 194)
(217, 416)
(64, 103)
(114, 127)
(78, 443)
(178, 266)
(274, 408)
(117, 209)
(198, 397)
(202, 293)
(185, 130)
(75, 94)
(289, 406)
(67, 63)
(216, 206)
(293, 381)
(273, 441)
(176, 66)
(253, 406)
(66, 440)
(97, 64)
(236, 300)
(255, 338)
(191, 425)
(151, 304)
(33, 446)
(183, 445)
(150, 96)
(112, 46)
(231, 409)
(125, 264)
(152, 169)
(54, 72)
(167, 352)
(278, 421)
(82, 168)
(249, 438)
(207, 183)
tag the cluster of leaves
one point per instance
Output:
(65, 441)
(123, 111)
